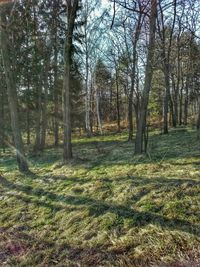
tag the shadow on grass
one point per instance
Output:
(98, 207)
(101, 152)
(17, 246)
(53, 178)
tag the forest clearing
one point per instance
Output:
(107, 207)
(99, 133)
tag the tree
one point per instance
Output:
(166, 35)
(8, 64)
(72, 8)
(141, 129)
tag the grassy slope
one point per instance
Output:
(106, 208)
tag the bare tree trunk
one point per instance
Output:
(92, 107)
(181, 106)
(198, 123)
(139, 142)
(118, 106)
(2, 122)
(133, 75)
(166, 51)
(165, 112)
(38, 119)
(137, 102)
(186, 102)
(181, 99)
(87, 100)
(44, 112)
(71, 16)
(56, 102)
(166, 96)
(177, 91)
(167, 103)
(130, 116)
(98, 112)
(87, 86)
(12, 94)
(67, 153)
(28, 139)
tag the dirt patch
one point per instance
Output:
(12, 244)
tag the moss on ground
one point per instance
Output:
(107, 207)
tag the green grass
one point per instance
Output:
(107, 207)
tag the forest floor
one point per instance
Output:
(107, 207)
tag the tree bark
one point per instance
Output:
(38, 119)
(87, 98)
(98, 112)
(12, 93)
(118, 105)
(130, 116)
(28, 139)
(186, 102)
(139, 142)
(2, 122)
(181, 106)
(198, 122)
(72, 7)
(44, 116)
(56, 102)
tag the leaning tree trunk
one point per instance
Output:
(12, 94)
(139, 142)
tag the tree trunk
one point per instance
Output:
(71, 16)
(44, 108)
(186, 102)
(67, 153)
(28, 139)
(167, 103)
(2, 122)
(56, 102)
(177, 91)
(118, 106)
(87, 101)
(12, 95)
(165, 112)
(130, 116)
(181, 106)
(133, 76)
(139, 142)
(198, 123)
(98, 113)
(38, 120)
